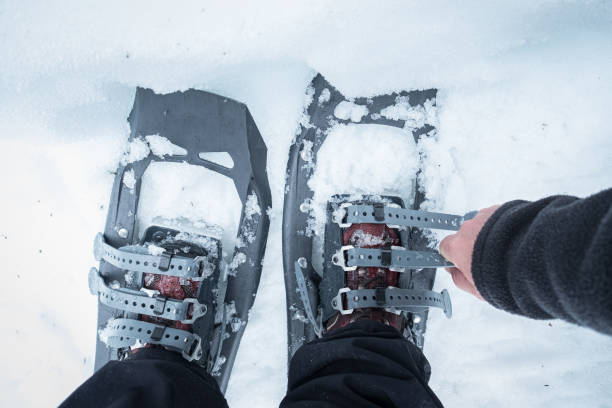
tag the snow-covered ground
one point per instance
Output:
(525, 96)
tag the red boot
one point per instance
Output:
(369, 236)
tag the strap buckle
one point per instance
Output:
(198, 310)
(338, 302)
(193, 349)
(340, 215)
(164, 261)
(340, 258)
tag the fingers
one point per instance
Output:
(445, 247)
(459, 280)
(463, 283)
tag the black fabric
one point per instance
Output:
(550, 258)
(366, 364)
(151, 378)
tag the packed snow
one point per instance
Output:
(162, 147)
(179, 190)
(129, 179)
(346, 110)
(523, 111)
(136, 150)
(222, 158)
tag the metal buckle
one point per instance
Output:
(340, 214)
(198, 263)
(164, 261)
(193, 350)
(381, 296)
(379, 212)
(337, 303)
(158, 333)
(160, 304)
(385, 257)
(340, 257)
(198, 310)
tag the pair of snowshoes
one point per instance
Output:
(172, 284)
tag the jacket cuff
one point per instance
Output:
(488, 260)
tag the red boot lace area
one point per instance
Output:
(171, 287)
(369, 236)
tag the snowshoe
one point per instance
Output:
(168, 284)
(371, 259)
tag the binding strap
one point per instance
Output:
(121, 333)
(303, 292)
(411, 300)
(166, 264)
(394, 258)
(378, 213)
(139, 302)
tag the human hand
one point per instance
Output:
(458, 249)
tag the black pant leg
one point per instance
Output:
(152, 378)
(366, 364)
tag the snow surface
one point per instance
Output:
(523, 110)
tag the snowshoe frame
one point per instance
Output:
(297, 246)
(197, 121)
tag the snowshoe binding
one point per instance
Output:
(168, 284)
(373, 259)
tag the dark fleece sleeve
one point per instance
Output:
(548, 259)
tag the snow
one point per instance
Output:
(136, 150)
(222, 158)
(179, 190)
(415, 116)
(346, 110)
(251, 207)
(362, 159)
(523, 112)
(129, 179)
(155, 250)
(161, 147)
(324, 97)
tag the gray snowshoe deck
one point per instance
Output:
(300, 276)
(199, 122)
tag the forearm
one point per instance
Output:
(549, 259)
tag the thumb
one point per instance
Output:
(446, 247)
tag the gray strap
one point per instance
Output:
(138, 302)
(120, 333)
(303, 292)
(393, 258)
(404, 299)
(165, 264)
(379, 214)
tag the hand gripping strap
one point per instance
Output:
(138, 302)
(393, 258)
(120, 333)
(379, 214)
(181, 267)
(303, 292)
(404, 299)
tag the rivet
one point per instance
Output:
(302, 262)
(122, 232)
